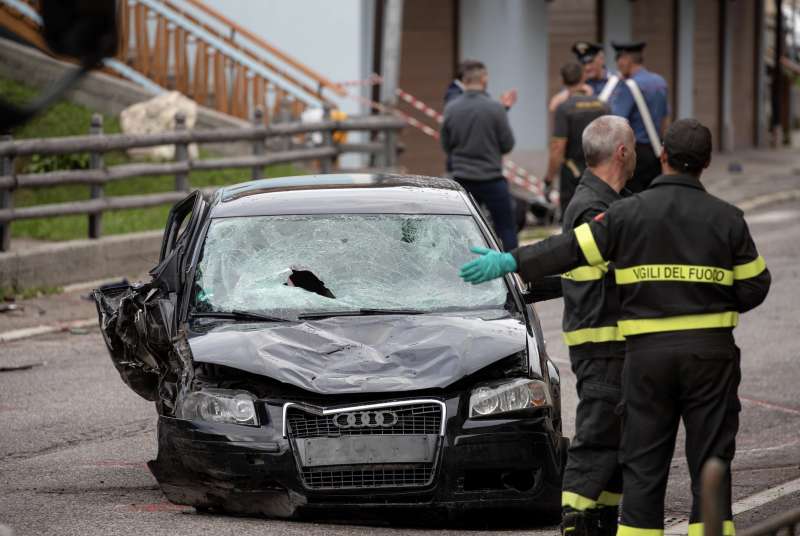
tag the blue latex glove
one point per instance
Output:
(490, 265)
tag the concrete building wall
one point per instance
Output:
(429, 52)
(745, 93)
(706, 66)
(569, 21)
(511, 37)
(654, 22)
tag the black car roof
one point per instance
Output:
(341, 194)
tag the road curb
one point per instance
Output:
(45, 329)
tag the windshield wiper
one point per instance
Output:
(239, 315)
(361, 312)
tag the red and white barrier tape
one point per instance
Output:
(419, 105)
(514, 172)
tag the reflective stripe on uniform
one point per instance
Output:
(639, 326)
(581, 503)
(750, 269)
(586, 273)
(602, 334)
(625, 530)
(689, 273)
(609, 499)
(697, 529)
(587, 244)
(577, 502)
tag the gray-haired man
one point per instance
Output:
(592, 482)
(593, 478)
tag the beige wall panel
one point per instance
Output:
(428, 56)
(706, 66)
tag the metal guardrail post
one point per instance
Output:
(259, 144)
(389, 148)
(712, 496)
(285, 116)
(181, 155)
(326, 164)
(96, 190)
(6, 199)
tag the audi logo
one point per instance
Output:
(365, 419)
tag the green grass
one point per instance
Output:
(69, 119)
(12, 293)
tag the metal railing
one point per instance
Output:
(98, 175)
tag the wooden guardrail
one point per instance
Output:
(98, 175)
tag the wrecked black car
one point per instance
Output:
(309, 345)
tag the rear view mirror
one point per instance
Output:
(82, 29)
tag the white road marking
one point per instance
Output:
(776, 216)
(24, 333)
(765, 449)
(768, 199)
(744, 505)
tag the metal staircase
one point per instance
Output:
(187, 46)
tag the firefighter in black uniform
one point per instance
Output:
(593, 477)
(685, 266)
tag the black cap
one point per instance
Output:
(585, 51)
(628, 46)
(688, 145)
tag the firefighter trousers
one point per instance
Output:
(689, 375)
(593, 477)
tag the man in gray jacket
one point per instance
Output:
(476, 134)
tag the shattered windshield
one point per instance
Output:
(294, 265)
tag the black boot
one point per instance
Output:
(578, 523)
(607, 518)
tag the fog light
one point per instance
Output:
(220, 406)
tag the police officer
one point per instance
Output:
(686, 267)
(571, 118)
(593, 476)
(593, 59)
(642, 100)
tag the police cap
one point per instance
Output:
(585, 51)
(688, 145)
(630, 46)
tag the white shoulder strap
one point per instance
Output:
(649, 126)
(609, 88)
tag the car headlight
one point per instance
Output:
(219, 405)
(508, 396)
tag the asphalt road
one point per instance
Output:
(74, 440)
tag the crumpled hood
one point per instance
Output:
(363, 354)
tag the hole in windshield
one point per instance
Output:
(289, 266)
(306, 280)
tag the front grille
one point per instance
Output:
(385, 476)
(422, 418)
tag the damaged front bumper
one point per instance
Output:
(271, 470)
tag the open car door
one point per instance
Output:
(139, 322)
